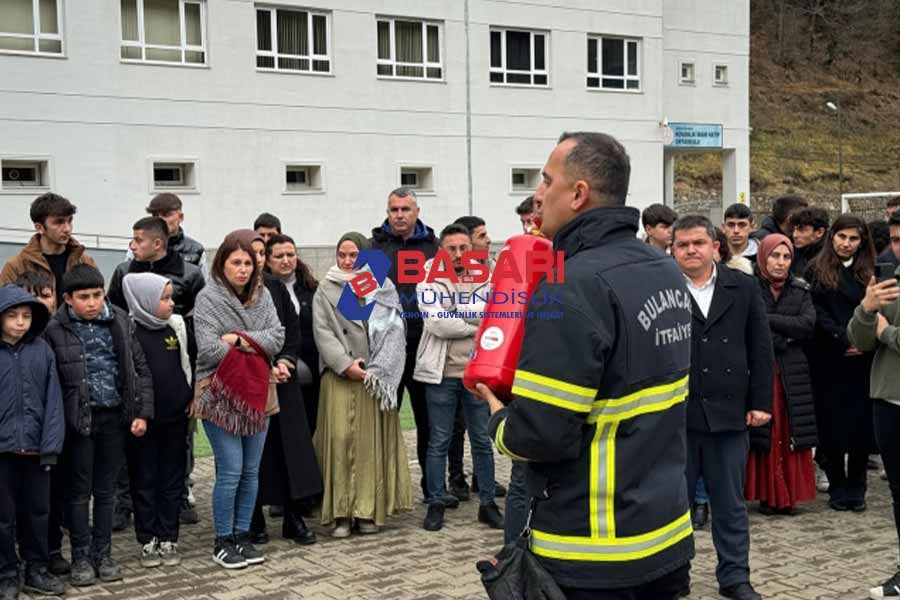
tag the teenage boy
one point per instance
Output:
(107, 388)
(808, 227)
(657, 220)
(167, 206)
(31, 437)
(157, 460)
(52, 249)
(737, 225)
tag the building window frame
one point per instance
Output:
(687, 72)
(39, 38)
(315, 177)
(598, 80)
(185, 49)
(388, 67)
(720, 81)
(43, 166)
(311, 57)
(190, 183)
(500, 75)
(426, 184)
(531, 175)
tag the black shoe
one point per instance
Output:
(38, 580)
(434, 518)
(107, 570)
(82, 573)
(838, 504)
(188, 514)
(700, 515)
(259, 538)
(741, 591)
(449, 501)
(460, 489)
(276, 511)
(294, 528)
(121, 520)
(857, 505)
(225, 554)
(888, 589)
(59, 566)
(490, 515)
(9, 588)
(245, 547)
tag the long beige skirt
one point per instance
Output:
(361, 453)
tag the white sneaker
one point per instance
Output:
(150, 554)
(821, 480)
(168, 554)
(341, 528)
(889, 589)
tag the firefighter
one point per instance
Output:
(598, 408)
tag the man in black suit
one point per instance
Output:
(730, 390)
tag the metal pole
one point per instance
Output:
(840, 151)
(468, 113)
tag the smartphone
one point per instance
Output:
(885, 271)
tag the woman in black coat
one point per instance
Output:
(839, 275)
(289, 472)
(780, 472)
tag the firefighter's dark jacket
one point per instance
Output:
(598, 409)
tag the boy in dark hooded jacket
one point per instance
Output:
(32, 428)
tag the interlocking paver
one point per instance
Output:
(818, 554)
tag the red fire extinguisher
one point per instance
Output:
(499, 338)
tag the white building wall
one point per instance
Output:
(102, 121)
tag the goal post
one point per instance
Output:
(846, 198)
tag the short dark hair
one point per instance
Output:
(155, 226)
(51, 205)
(881, 234)
(693, 222)
(82, 277)
(892, 202)
(267, 220)
(526, 206)
(894, 220)
(164, 203)
(812, 216)
(34, 281)
(454, 229)
(783, 206)
(738, 211)
(600, 160)
(470, 222)
(655, 214)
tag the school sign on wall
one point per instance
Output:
(695, 135)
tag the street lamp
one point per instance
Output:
(836, 109)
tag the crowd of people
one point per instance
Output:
(764, 353)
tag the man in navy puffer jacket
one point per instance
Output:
(32, 427)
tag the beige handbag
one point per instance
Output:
(272, 407)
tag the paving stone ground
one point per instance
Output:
(817, 554)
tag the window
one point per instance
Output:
(25, 174)
(420, 179)
(524, 179)
(721, 75)
(614, 63)
(174, 175)
(409, 49)
(302, 178)
(164, 31)
(686, 75)
(518, 57)
(31, 26)
(292, 40)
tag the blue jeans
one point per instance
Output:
(237, 478)
(700, 495)
(442, 400)
(518, 501)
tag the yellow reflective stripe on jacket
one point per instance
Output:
(611, 549)
(553, 391)
(501, 445)
(644, 401)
